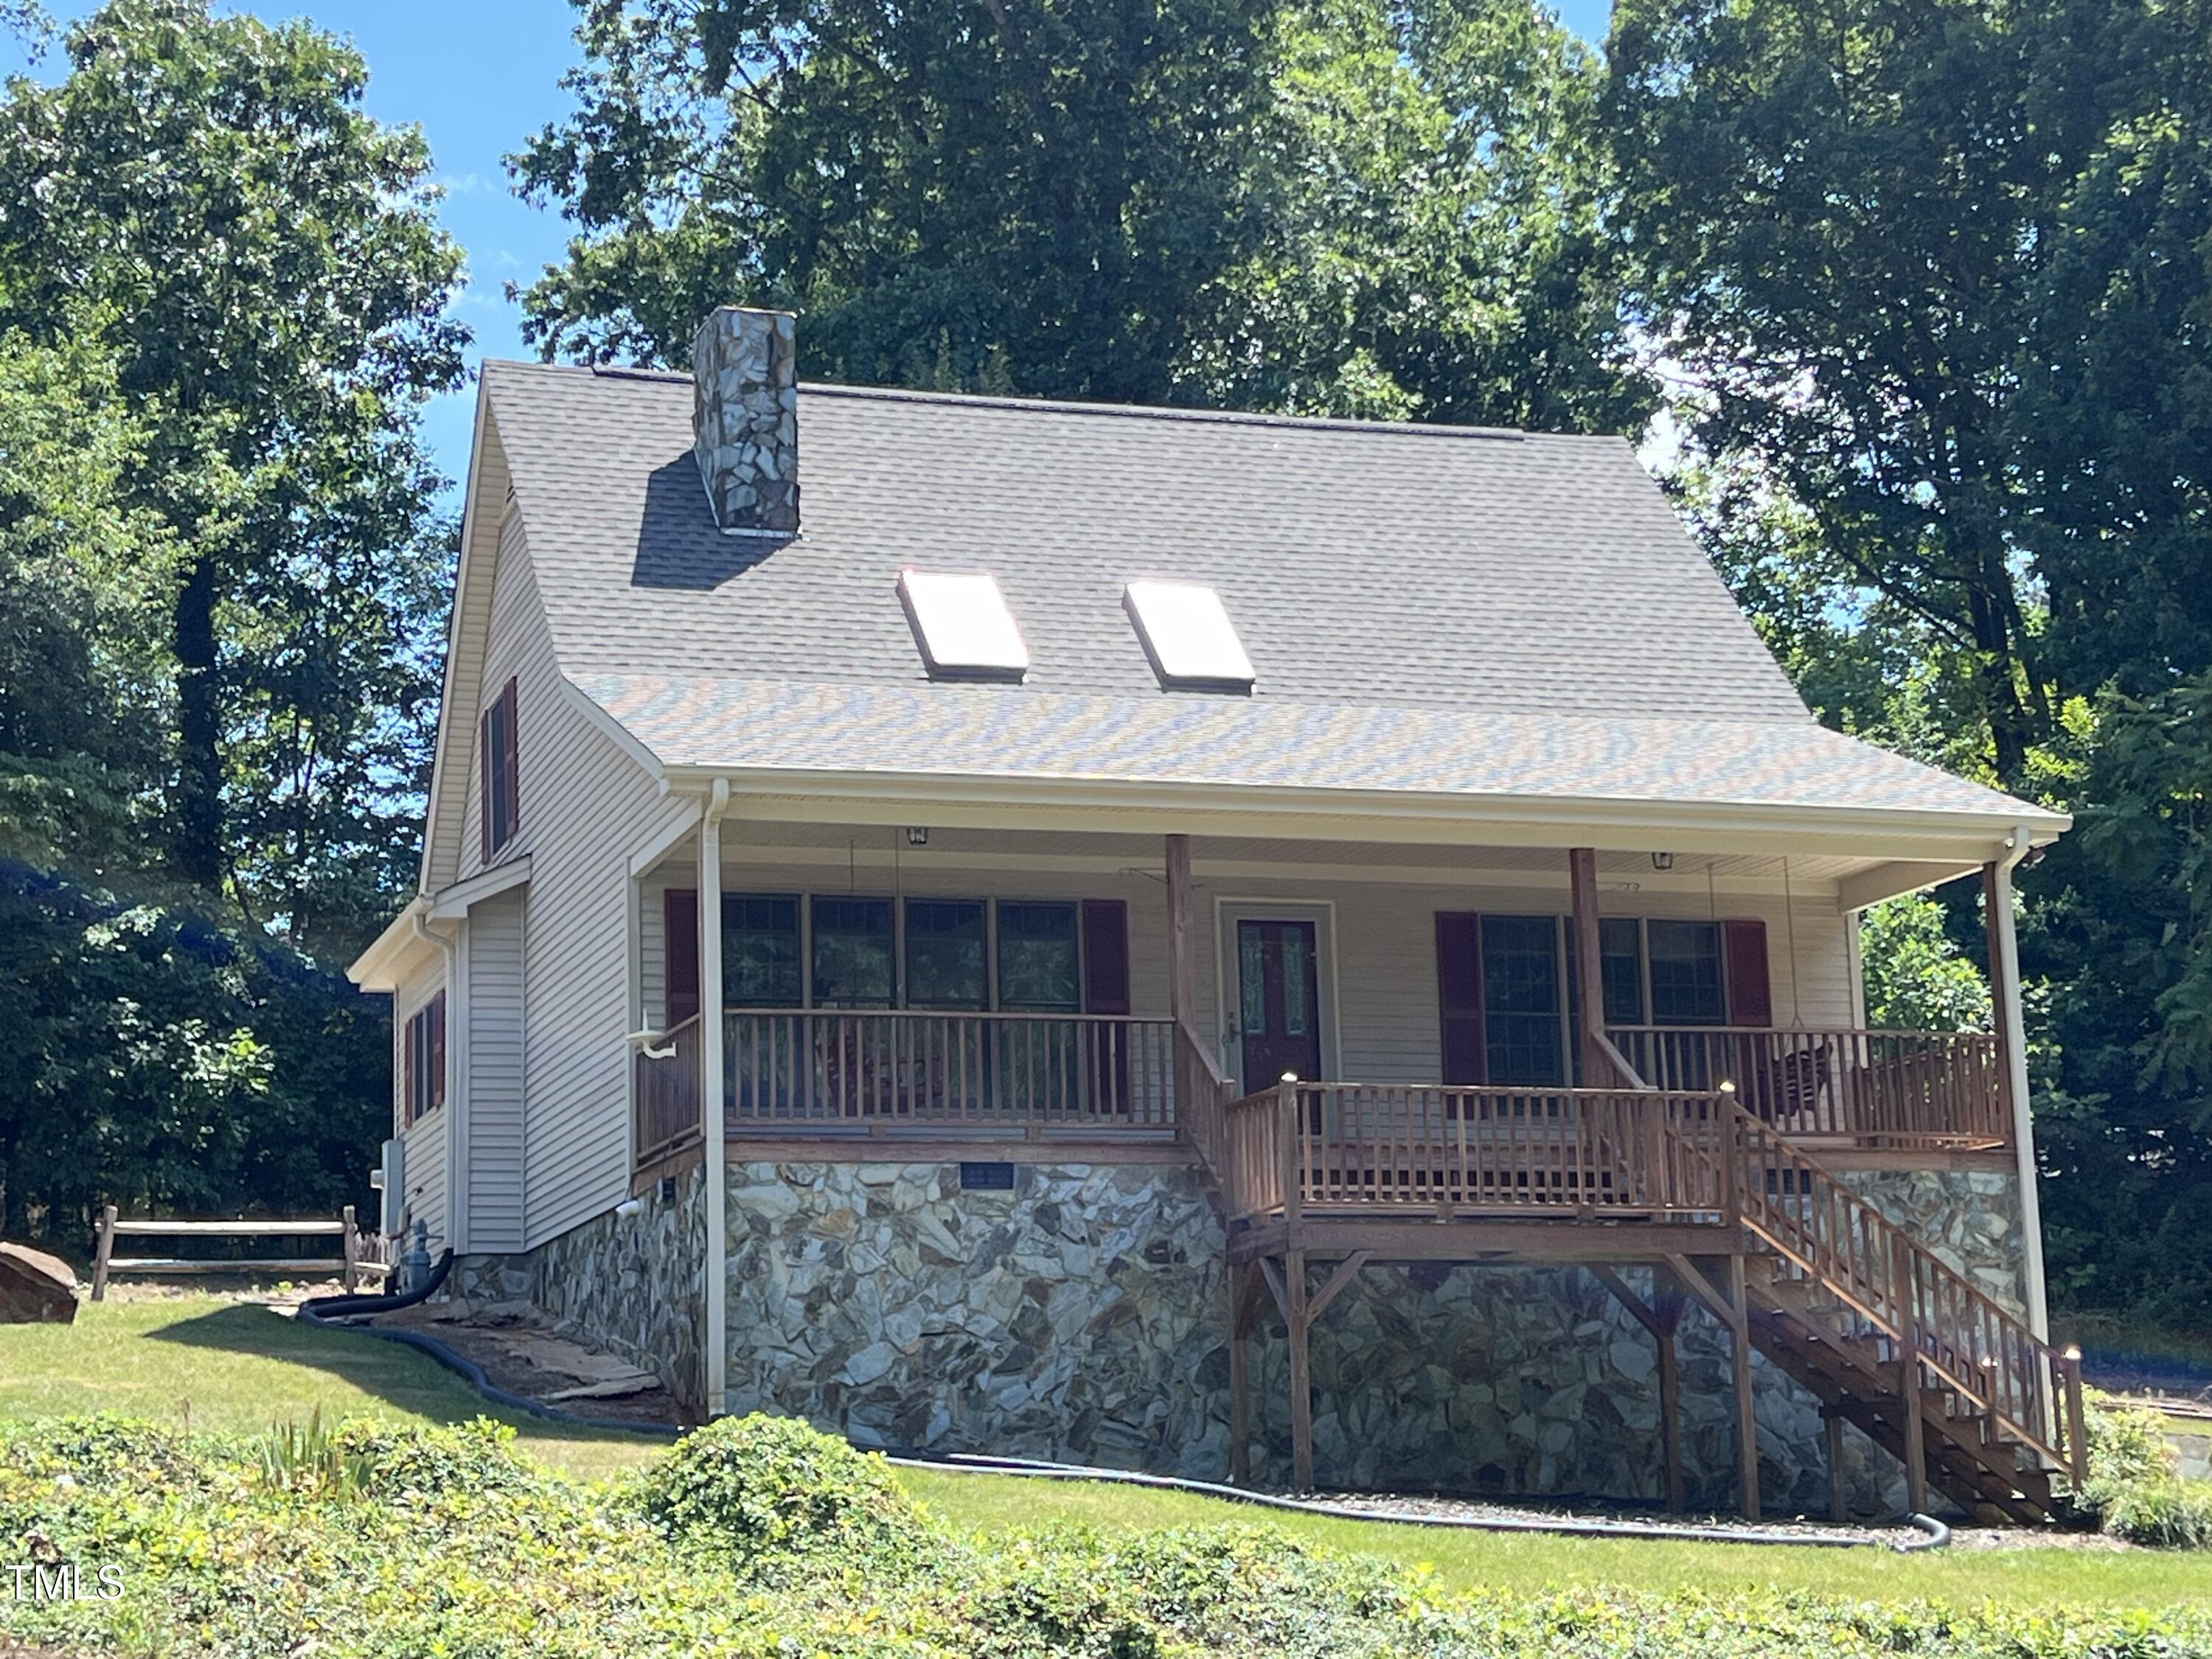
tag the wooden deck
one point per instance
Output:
(1720, 1203)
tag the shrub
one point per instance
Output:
(753, 1487)
(105, 1449)
(394, 1461)
(2133, 1490)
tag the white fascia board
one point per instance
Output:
(443, 758)
(454, 901)
(793, 794)
(389, 962)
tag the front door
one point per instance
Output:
(1279, 1000)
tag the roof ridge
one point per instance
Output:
(1072, 406)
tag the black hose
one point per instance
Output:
(1571, 1526)
(322, 1308)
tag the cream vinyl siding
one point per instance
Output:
(517, 647)
(426, 1137)
(493, 1129)
(585, 806)
(1379, 990)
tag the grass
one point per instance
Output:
(239, 1367)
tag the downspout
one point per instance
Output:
(2023, 1126)
(457, 1015)
(712, 1104)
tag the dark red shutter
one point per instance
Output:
(1105, 957)
(680, 953)
(1750, 1000)
(408, 1035)
(1459, 993)
(510, 784)
(487, 796)
(1106, 991)
(437, 1061)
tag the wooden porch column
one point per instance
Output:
(1244, 1285)
(1838, 1510)
(2012, 1051)
(1296, 1315)
(1182, 967)
(1747, 1424)
(1660, 1318)
(1589, 969)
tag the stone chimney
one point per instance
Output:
(744, 419)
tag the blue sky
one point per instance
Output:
(479, 76)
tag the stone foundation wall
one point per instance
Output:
(1536, 1383)
(1970, 1218)
(1078, 1317)
(1081, 1317)
(630, 1285)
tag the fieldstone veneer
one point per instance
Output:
(746, 417)
(1081, 1316)
(630, 1285)
(1076, 1317)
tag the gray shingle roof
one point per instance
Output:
(1428, 609)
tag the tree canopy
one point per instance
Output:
(1336, 208)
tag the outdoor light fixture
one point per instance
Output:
(1663, 860)
(917, 836)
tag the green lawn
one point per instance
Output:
(239, 1367)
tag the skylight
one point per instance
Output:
(1188, 637)
(963, 626)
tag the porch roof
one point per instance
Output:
(797, 736)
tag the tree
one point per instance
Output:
(1330, 207)
(202, 201)
(1843, 222)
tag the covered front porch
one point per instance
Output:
(968, 987)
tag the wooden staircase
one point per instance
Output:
(1882, 1332)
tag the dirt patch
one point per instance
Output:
(1420, 1507)
(524, 1353)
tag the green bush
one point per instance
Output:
(754, 1487)
(2134, 1491)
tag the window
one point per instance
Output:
(1188, 634)
(1039, 965)
(1523, 1033)
(502, 788)
(945, 966)
(1686, 973)
(760, 951)
(963, 626)
(1620, 961)
(422, 1060)
(853, 961)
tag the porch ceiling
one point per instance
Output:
(1856, 880)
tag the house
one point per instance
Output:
(1318, 950)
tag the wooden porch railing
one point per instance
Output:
(667, 1093)
(787, 1069)
(1893, 1290)
(1203, 1093)
(1863, 1088)
(1426, 1149)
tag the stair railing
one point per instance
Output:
(1900, 1292)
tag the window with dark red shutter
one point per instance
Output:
(501, 776)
